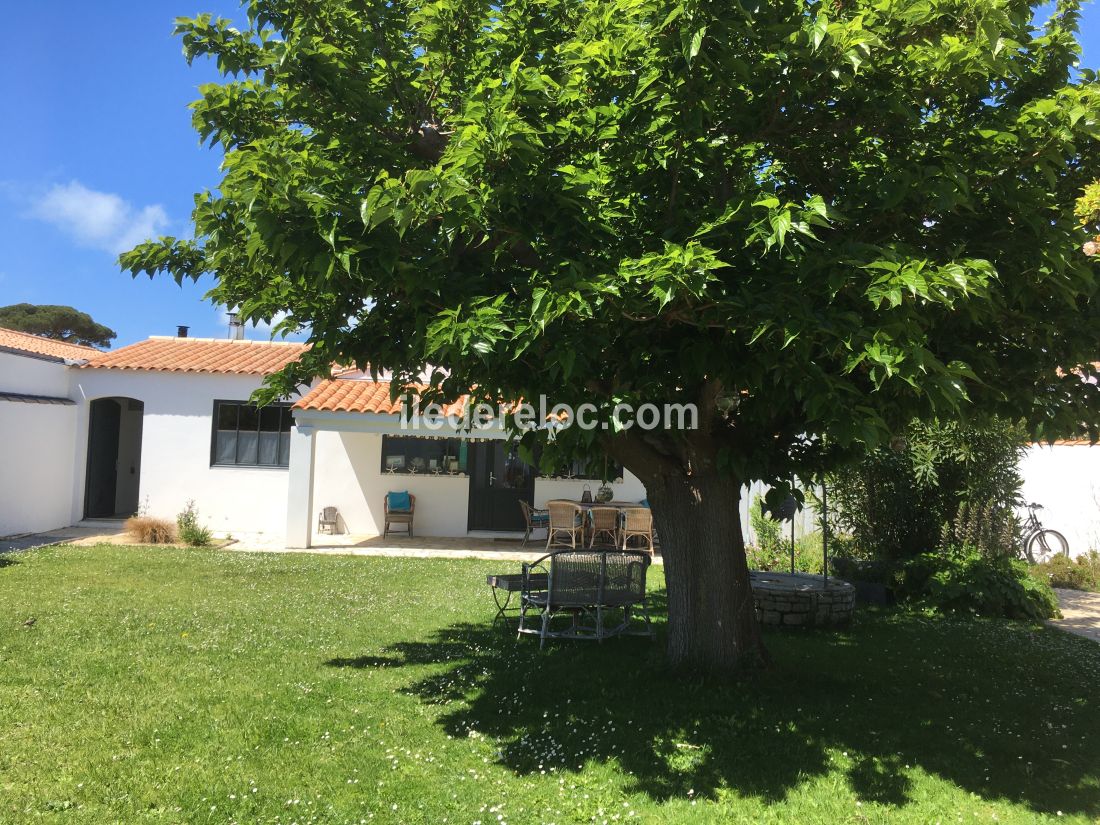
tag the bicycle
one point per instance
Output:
(1041, 544)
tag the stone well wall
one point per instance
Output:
(801, 599)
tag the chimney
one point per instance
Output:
(181, 331)
(236, 328)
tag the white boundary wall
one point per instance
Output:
(1065, 479)
(37, 446)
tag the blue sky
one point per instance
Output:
(98, 152)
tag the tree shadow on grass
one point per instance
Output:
(7, 559)
(999, 710)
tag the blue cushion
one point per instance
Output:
(399, 502)
(540, 518)
(644, 502)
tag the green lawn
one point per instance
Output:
(209, 686)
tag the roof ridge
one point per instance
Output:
(222, 341)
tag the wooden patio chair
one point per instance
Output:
(399, 516)
(328, 520)
(637, 524)
(566, 525)
(534, 519)
(603, 526)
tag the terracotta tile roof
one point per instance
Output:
(345, 395)
(208, 355)
(11, 339)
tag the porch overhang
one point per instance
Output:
(388, 424)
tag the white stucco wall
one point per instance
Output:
(37, 446)
(629, 489)
(175, 450)
(29, 375)
(349, 477)
(1065, 479)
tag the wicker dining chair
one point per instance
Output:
(534, 519)
(603, 526)
(637, 524)
(566, 526)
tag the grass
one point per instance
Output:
(204, 686)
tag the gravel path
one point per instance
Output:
(1080, 613)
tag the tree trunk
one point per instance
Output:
(711, 619)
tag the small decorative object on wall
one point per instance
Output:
(395, 463)
(586, 495)
(604, 493)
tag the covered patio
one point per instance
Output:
(350, 446)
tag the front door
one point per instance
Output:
(105, 418)
(499, 480)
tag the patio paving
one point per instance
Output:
(1080, 613)
(428, 547)
(106, 533)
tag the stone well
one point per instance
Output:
(801, 599)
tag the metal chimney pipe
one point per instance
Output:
(236, 328)
(181, 331)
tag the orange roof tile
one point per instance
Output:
(11, 339)
(208, 355)
(349, 395)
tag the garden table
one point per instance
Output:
(512, 583)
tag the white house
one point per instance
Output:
(150, 426)
(156, 424)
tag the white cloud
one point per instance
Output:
(99, 219)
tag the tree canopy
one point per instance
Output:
(63, 323)
(815, 220)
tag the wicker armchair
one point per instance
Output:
(637, 524)
(603, 526)
(566, 525)
(399, 516)
(586, 586)
(534, 519)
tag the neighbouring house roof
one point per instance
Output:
(206, 355)
(358, 396)
(23, 342)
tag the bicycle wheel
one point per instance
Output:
(1043, 545)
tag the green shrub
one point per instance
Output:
(772, 550)
(990, 528)
(769, 533)
(1081, 573)
(963, 580)
(911, 497)
(189, 529)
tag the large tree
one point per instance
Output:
(816, 221)
(63, 323)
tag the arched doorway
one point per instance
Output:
(114, 457)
